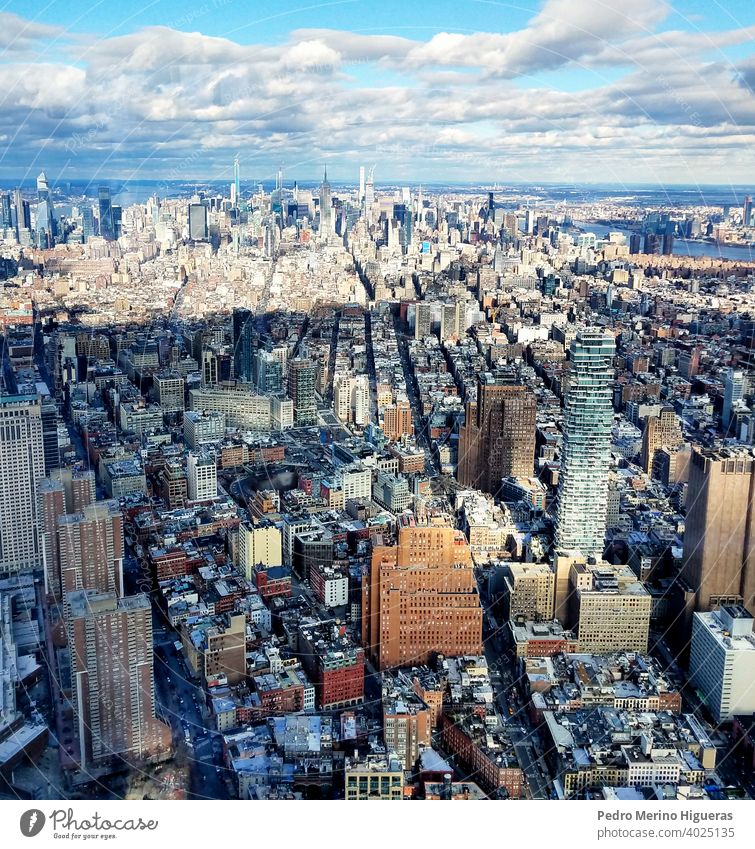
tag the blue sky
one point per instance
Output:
(556, 90)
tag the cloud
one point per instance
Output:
(18, 35)
(455, 105)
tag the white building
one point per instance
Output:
(281, 413)
(202, 476)
(22, 467)
(356, 482)
(203, 428)
(242, 408)
(722, 660)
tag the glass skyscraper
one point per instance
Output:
(106, 212)
(588, 415)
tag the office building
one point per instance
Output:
(613, 608)
(302, 375)
(244, 344)
(197, 222)
(720, 528)
(722, 661)
(22, 467)
(112, 679)
(419, 597)
(588, 415)
(105, 205)
(497, 439)
(203, 428)
(170, 390)
(269, 372)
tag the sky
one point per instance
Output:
(555, 91)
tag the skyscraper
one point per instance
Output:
(734, 390)
(327, 227)
(747, 211)
(497, 439)
(301, 390)
(588, 415)
(105, 212)
(91, 549)
(719, 559)
(112, 678)
(22, 467)
(87, 223)
(45, 219)
(243, 344)
(419, 597)
(5, 214)
(236, 183)
(197, 221)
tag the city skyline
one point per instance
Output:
(552, 93)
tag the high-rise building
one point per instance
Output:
(243, 344)
(302, 375)
(22, 467)
(351, 398)
(90, 545)
(49, 416)
(52, 504)
(661, 431)
(202, 474)
(419, 597)
(722, 661)
(720, 528)
(588, 415)
(269, 373)
(497, 439)
(327, 220)
(6, 219)
(105, 204)
(747, 211)
(87, 223)
(734, 391)
(112, 679)
(236, 186)
(197, 222)
(23, 212)
(423, 317)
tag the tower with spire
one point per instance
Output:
(326, 208)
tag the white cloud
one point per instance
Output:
(452, 105)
